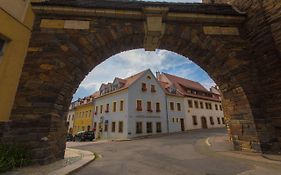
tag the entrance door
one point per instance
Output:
(204, 122)
(182, 124)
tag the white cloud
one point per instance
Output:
(125, 64)
(131, 62)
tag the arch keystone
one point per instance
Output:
(154, 27)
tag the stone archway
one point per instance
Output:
(68, 42)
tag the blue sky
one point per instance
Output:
(130, 62)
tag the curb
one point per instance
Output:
(270, 158)
(254, 157)
(87, 157)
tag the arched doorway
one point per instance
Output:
(204, 124)
(64, 48)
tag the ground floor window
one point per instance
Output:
(194, 119)
(158, 127)
(149, 127)
(95, 125)
(219, 120)
(139, 127)
(120, 128)
(113, 126)
(106, 126)
(222, 119)
(212, 120)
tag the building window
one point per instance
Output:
(158, 127)
(106, 126)
(143, 87)
(177, 120)
(212, 120)
(153, 88)
(173, 119)
(207, 106)
(148, 127)
(194, 119)
(216, 107)
(190, 103)
(139, 105)
(114, 106)
(101, 108)
(2, 46)
(222, 119)
(121, 105)
(158, 107)
(95, 125)
(210, 106)
(171, 106)
(97, 109)
(120, 128)
(219, 120)
(139, 127)
(220, 108)
(107, 108)
(196, 104)
(113, 126)
(201, 105)
(148, 106)
(179, 106)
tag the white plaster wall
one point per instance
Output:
(175, 126)
(136, 93)
(70, 118)
(189, 112)
(113, 116)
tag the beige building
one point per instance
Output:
(16, 20)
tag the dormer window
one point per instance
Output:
(143, 87)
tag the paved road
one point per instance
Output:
(179, 154)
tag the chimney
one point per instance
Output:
(158, 75)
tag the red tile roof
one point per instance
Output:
(127, 83)
(182, 84)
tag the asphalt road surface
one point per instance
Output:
(177, 154)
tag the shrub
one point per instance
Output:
(13, 156)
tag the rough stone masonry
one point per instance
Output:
(238, 47)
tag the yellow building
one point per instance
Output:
(16, 20)
(83, 120)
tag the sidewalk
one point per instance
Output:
(73, 160)
(223, 146)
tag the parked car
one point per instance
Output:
(69, 137)
(85, 136)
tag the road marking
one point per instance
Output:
(207, 141)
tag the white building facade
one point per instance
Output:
(190, 105)
(70, 116)
(131, 107)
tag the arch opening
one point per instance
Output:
(60, 58)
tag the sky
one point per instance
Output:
(131, 62)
